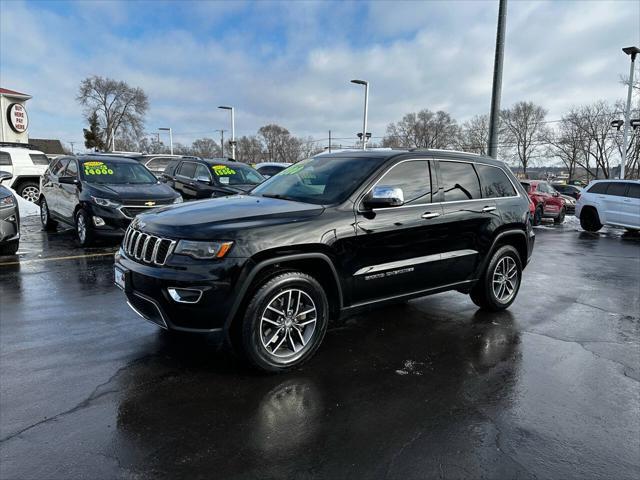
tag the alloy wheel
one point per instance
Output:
(30, 194)
(505, 279)
(44, 212)
(82, 228)
(288, 324)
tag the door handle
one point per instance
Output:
(488, 209)
(429, 215)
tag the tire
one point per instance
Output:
(560, 218)
(45, 216)
(537, 217)
(9, 248)
(497, 298)
(590, 220)
(30, 191)
(84, 230)
(290, 345)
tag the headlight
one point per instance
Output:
(202, 249)
(7, 201)
(178, 200)
(105, 202)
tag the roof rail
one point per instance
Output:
(18, 145)
(421, 149)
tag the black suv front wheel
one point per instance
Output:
(84, 229)
(284, 322)
(500, 282)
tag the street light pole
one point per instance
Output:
(632, 52)
(366, 108)
(494, 119)
(233, 130)
(168, 129)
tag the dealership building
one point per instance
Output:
(14, 121)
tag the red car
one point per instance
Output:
(548, 203)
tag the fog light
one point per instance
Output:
(98, 222)
(185, 295)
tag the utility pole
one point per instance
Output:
(221, 141)
(494, 119)
(72, 144)
(329, 141)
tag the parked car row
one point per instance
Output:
(99, 195)
(206, 178)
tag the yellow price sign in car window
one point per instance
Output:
(223, 170)
(96, 168)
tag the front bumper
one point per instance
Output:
(9, 224)
(147, 290)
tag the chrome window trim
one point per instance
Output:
(417, 159)
(484, 199)
(480, 183)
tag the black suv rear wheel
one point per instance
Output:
(284, 322)
(500, 282)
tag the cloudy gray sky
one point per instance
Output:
(290, 62)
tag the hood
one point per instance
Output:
(207, 219)
(156, 191)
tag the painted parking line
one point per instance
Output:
(54, 259)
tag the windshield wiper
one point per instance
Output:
(278, 196)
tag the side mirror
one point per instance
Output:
(5, 176)
(68, 180)
(203, 179)
(384, 197)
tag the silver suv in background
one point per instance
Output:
(26, 165)
(610, 202)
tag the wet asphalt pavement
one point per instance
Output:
(430, 389)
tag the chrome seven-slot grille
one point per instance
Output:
(147, 248)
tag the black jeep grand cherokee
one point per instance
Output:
(324, 238)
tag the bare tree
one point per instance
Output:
(121, 109)
(524, 130)
(206, 148)
(474, 135)
(594, 122)
(274, 138)
(568, 144)
(424, 129)
(249, 149)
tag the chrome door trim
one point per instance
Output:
(410, 262)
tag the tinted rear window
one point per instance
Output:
(187, 169)
(5, 159)
(634, 191)
(39, 159)
(617, 189)
(459, 181)
(599, 187)
(494, 182)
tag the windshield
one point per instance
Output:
(236, 175)
(322, 181)
(115, 173)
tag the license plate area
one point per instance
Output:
(120, 278)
